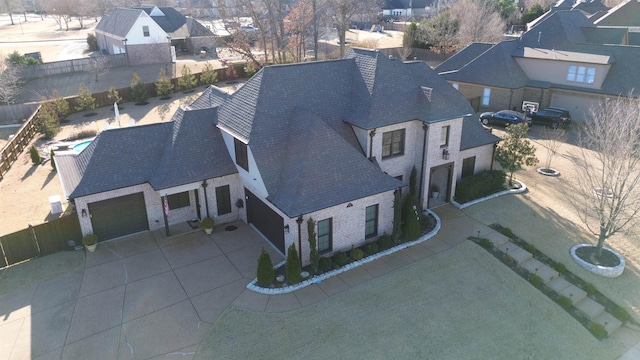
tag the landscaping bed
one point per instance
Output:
(609, 306)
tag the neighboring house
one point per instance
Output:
(151, 34)
(565, 61)
(329, 140)
(405, 8)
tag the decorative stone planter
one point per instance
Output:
(91, 248)
(548, 172)
(208, 231)
(610, 272)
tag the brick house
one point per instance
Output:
(151, 34)
(330, 140)
(565, 60)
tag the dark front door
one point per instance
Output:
(119, 216)
(267, 221)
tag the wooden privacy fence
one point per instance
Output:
(16, 145)
(92, 64)
(39, 240)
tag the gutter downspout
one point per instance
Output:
(299, 222)
(206, 199)
(425, 127)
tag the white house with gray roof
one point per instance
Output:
(328, 140)
(147, 34)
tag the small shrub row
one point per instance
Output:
(485, 243)
(479, 185)
(83, 134)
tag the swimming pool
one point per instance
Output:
(81, 146)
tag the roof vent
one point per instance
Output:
(427, 92)
(390, 57)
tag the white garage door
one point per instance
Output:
(578, 105)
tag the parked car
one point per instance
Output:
(503, 117)
(551, 116)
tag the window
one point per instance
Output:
(468, 166)
(581, 74)
(145, 31)
(486, 96)
(393, 143)
(455, 86)
(444, 136)
(241, 154)
(371, 221)
(325, 235)
(223, 199)
(178, 200)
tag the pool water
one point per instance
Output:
(81, 146)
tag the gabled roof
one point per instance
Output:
(163, 154)
(626, 14)
(463, 57)
(559, 30)
(168, 18)
(119, 21)
(495, 67)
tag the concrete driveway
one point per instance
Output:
(137, 298)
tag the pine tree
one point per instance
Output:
(113, 95)
(293, 267)
(208, 76)
(187, 81)
(59, 105)
(265, 269)
(313, 245)
(35, 155)
(85, 100)
(164, 85)
(139, 90)
(411, 224)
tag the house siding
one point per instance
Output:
(236, 192)
(148, 53)
(401, 164)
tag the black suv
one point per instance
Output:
(551, 116)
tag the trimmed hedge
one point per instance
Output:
(480, 185)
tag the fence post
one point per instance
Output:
(35, 238)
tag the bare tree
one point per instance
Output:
(555, 139)
(99, 66)
(439, 32)
(10, 6)
(299, 19)
(606, 192)
(342, 11)
(479, 21)
(61, 11)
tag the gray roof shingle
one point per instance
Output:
(164, 155)
(119, 22)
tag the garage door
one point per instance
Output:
(578, 105)
(267, 221)
(119, 216)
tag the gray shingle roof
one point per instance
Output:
(474, 135)
(627, 13)
(164, 155)
(170, 22)
(563, 32)
(366, 89)
(321, 169)
(196, 29)
(119, 22)
(463, 57)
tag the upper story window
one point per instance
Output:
(581, 74)
(145, 31)
(486, 96)
(393, 143)
(444, 136)
(242, 159)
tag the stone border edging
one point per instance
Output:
(317, 279)
(552, 172)
(610, 272)
(522, 189)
